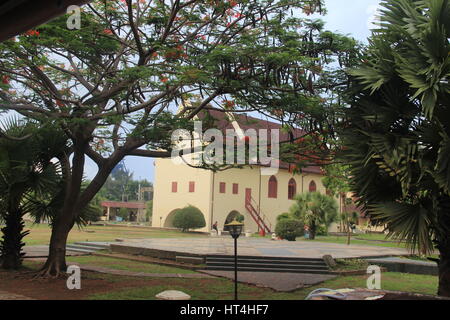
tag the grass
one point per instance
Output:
(40, 233)
(350, 264)
(127, 265)
(139, 288)
(221, 289)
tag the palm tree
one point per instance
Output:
(27, 172)
(397, 129)
(315, 209)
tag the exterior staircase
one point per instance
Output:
(268, 264)
(255, 212)
(87, 247)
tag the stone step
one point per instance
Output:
(264, 269)
(82, 248)
(284, 259)
(268, 262)
(93, 245)
(76, 249)
(268, 266)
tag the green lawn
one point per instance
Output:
(40, 233)
(128, 265)
(145, 288)
(221, 289)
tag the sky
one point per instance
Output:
(349, 17)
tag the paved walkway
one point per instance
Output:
(42, 252)
(283, 282)
(260, 247)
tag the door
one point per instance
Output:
(248, 195)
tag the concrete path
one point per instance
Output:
(42, 252)
(283, 282)
(259, 247)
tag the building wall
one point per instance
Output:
(216, 206)
(165, 201)
(273, 207)
(225, 203)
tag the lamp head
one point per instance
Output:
(235, 228)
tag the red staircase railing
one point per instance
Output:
(260, 219)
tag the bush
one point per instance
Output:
(283, 216)
(322, 230)
(123, 213)
(189, 218)
(92, 213)
(289, 228)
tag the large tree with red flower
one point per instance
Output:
(113, 85)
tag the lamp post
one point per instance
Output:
(235, 229)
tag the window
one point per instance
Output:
(174, 187)
(273, 186)
(222, 187)
(235, 188)
(191, 186)
(292, 189)
(312, 186)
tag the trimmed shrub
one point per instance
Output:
(322, 230)
(189, 217)
(283, 216)
(289, 229)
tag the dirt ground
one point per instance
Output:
(23, 283)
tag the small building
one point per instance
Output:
(136, 210)
(223, 195)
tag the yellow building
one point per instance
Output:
(222, 195)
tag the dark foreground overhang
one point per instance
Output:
(18, 16)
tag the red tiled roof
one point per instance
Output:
(246, 122)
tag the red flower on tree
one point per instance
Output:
(5, 79)
(32, 33)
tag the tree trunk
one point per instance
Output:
(443, 245)
(56, 261)
(312, 231)
(74, 203)
(444, 273)
(11, 243)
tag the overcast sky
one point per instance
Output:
(351, 17)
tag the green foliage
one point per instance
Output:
(240, 218)
(396, 136)
(27, 172)
(337, 179)
(283, 216)
(111, 86)
(123, 213)
(263, 55)
(315, 209)
(189, 217)
(121, 186)
(289, 228)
